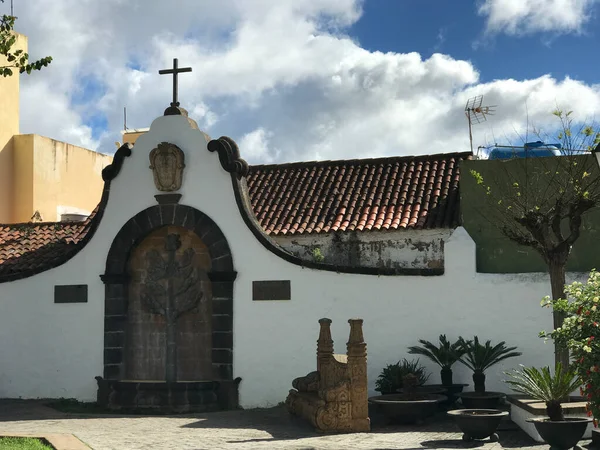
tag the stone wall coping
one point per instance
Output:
(535, 407)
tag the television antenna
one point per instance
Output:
(476, 113)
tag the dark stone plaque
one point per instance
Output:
(167, 199)
(71, 293)
(271, 290)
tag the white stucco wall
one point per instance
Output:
(56, 350)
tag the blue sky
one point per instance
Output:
(311, 79)
(455, 28)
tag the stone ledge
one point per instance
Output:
(575, 406)
(58, 441)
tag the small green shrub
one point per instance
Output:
(580, 334)
(390, 378)
(317, 255)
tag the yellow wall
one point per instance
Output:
(22, 189)
(38, 173)
(9, 126)
(56, 178)
(131, 136)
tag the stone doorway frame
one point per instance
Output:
(116, 280)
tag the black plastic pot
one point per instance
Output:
(481, 400)
(478, 423)
(561, 435)
(406, 409)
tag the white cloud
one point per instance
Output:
(278, 76)
(257, 147)
(517, 17)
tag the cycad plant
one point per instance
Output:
(444, 355)
(479, 358)
(543, 386)
(391, 377)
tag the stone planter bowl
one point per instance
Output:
(478, 423)
(561, 435)
(401, 409)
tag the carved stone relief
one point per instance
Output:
(167, 163)
(172, 289)
(169, 310)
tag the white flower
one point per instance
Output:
(594, 308)
(587, 348)
(596, 299)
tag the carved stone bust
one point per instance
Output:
(167, 163)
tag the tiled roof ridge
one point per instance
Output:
(19, 225)
(361, 161)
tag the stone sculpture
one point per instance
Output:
(335, 397)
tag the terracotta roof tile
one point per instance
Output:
(409, 192)
(289, 199)
(34, 247)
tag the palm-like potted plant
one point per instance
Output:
(444, 355)
(480, 357)
(556, 430)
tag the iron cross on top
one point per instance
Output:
(175, 71)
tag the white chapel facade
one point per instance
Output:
(177, 277)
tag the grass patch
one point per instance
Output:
(23, 443)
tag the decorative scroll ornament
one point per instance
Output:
(229, 155)
(167, 163)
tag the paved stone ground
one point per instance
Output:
(251, 429)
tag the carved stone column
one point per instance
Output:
(325, 354)
(357, 371)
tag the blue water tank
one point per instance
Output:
(530, 150)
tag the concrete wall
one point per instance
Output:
(9, 126)
(55, 178)
(56, 350)
(390, 249)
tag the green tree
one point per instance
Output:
(17, 59)
(540, 202)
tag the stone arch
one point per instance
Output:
(116, 278)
